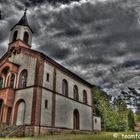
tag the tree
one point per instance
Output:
(103, 108)
(116, 118)
(131, 121)
(121, 107)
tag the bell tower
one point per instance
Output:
(21, 33)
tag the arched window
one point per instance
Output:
(12, 82)
(5, 72)
(26, 37)
(15, 36)
(23, 79)
(8, 81)
(1, 82)
(85, 97)
(95, 120)
(75, 93)
(65, 87)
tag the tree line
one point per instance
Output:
(119, 113)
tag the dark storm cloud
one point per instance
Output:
(3, 35)
(99, 74)
(86, 60)
(71, 32)
(98, 40)
(128, 36)
(132, 63)
(53, 48)
(31, 3)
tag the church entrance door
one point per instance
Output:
(8, 115)
(76, 121)
(20, 114)
(1, 106)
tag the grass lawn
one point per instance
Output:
(101, 136)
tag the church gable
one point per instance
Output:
(25, 62)
(15, 63)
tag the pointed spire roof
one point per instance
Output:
(23, 21)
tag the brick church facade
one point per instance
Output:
(38, 93)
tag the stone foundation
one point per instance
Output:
(21, 131)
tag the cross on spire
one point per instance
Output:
(25, 11)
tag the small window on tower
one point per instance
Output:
(26, 37)
(95, 120)
(15, 36)
(47, 77)
(46, 104)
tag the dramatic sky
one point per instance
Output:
(97, 39)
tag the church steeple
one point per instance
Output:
(22, 31)
(23, 21)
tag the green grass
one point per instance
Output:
(101, 136)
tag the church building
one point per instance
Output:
(36, 93)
